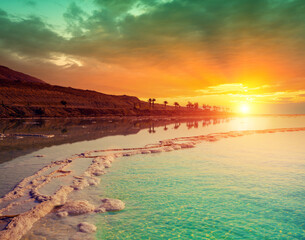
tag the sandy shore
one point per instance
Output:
(48, 189)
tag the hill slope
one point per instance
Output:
(11, 75)
(22, 95)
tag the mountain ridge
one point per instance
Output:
(22, 95)
(12, 75)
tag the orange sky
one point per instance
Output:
(230, 53)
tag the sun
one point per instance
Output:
(244, 109)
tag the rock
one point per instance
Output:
(94, 181)
(168, 149)
(62, 214)
(145, 151)
(156, 150)
(96, 169)
(97, 160)
(187, 145)
(109, 158)
(98, 172)
(117, 155)
(77, 207)
(40, 156)
(107, 164)
(18, 226)
(100, 210)
(112, 204)
(176, 147)
(86, 227)
(80, 184)
(127, 154)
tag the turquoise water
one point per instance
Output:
(251, 187)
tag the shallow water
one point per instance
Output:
(244, 188)
(250, 187)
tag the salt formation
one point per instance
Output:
(86, 227)
(110, 204)
(28, 190)
(76, 208)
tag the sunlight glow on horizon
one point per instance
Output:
(170, 50)
(245, 109)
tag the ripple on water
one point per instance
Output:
(213, 191)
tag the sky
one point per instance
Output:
(218, 52)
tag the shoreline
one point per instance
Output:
(117, 116)
(71, 130)
(151, 117)
(28, 190)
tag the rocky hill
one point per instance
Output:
(22, 95)
(11, 75)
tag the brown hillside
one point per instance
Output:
(11, 75)
(45, 95)
(24, 96)
(23, 99)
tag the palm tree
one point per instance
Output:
(165, 103)
(176, 104)
(196, 105)
(152, 128)
(149, 102)
(63, 102)
(153, 103)
(189, 105)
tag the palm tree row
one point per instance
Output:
(191, 105)
(215, 108)
(151, 103)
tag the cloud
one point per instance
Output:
(174, 47)
(75, 18)
(226, 89)
(28, 36)
(202, 42)
(30, 3)
(65, 61)
(221, 30)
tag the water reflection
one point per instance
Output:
(188, 123)
(13, 145)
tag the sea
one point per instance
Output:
(246, 187)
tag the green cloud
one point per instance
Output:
(113, 33)
(28, 37)
(30, 3)
(219, 27)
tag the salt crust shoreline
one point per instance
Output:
(28, 189)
